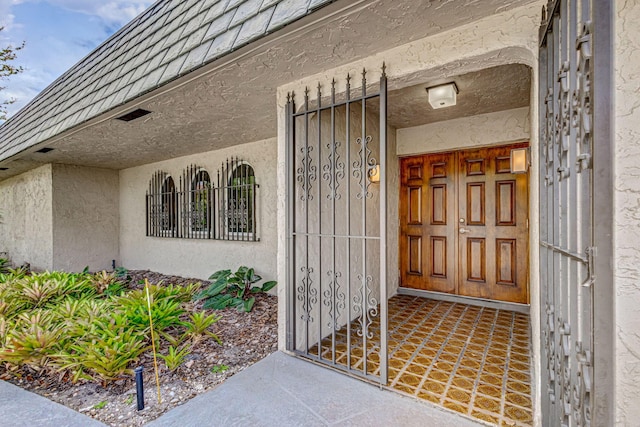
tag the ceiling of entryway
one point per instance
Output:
(485, 91)
(233, 100)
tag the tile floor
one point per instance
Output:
(469, 359)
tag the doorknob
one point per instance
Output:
(464, 230)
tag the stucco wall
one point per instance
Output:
(504, 38)
(199, 258)
(26, 228)
(467, 132)
(85, 217)
(627, 211)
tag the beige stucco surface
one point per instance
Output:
(192, 257)
(26, 227)
(627, 211)
(85, 217)
(467, 132)
(503, 38)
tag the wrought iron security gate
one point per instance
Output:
(573, 159)
(337, 296)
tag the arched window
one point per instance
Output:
(162, 206)
(169, 206)
(200, 218)
(195, 208)
(241, 198)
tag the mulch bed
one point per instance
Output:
(246, 339)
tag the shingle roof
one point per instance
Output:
(168, 40)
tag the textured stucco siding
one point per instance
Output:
(467, 132)
(504, 38)
(192, 257)
(26, 228)
(85, 217)
(626, 260)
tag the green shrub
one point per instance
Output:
(199, 324)
(90, 326)
(5, 264)
(174, 358)
(234, 289)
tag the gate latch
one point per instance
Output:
(583, 161)
(591, 276)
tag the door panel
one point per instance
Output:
(427, 210)
(464, 226)
(495, 210)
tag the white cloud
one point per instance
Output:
(112, 12)
(54, 45)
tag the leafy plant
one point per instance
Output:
(106, 353)
(100, 405)
(4, 265)
(33, 341)
(218, 369)
(165, 311)
(199, 324)
(234, 289)
(104, 283)
(89, 326)
(174, 358)
(121, 273)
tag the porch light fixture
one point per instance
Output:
(44, 150)
(519, 160)
(443, 96)
(374, 174)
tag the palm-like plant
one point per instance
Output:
(231, 289)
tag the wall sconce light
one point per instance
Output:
(443, 96)
(519, 160)
(374, 174)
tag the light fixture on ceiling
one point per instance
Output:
(45, 150)
(519, 160)
(443, 95)
(3, 169)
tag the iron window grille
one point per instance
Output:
(202, 209)
(162, 205)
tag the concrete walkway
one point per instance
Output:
(20, 408)
(281, 390)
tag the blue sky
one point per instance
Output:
(58, 33)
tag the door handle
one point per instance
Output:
(464, 230)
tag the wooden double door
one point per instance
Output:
(464, 224)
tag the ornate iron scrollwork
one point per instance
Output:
(363, 166)
(564, 357)
(333, 171)
(365, 305)
(306, 174)
(334, 299)
(582, 115)
(550, 349)
(307, 294)
(583, 387)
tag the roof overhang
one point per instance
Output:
(233, 99)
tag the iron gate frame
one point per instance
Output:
(292, 234)
(574, 120)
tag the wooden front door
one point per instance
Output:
(464, 224)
